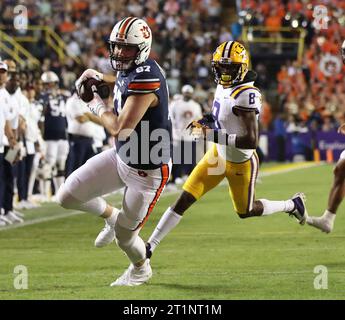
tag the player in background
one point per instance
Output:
(141, 127)
(54, 129)
(182, 112)
(6, 129)
(233, 127)
(10, 96)
(27, 134)
(34, 137)
(336, 195)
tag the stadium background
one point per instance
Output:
(294, 48)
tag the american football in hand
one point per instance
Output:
(86, 92)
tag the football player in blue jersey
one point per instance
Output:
(54, 128)
(141, 160)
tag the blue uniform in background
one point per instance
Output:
(54, 111)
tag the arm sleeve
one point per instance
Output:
(144, 82)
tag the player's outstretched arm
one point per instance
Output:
(249, 140)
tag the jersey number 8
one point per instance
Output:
(251, 98)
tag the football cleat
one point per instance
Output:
(300, 210)
(3, 218)
(106, 236)
(13, 217)
(134, 276)
(321, 223)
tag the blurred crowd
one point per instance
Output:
(311, 92)
(185, 33)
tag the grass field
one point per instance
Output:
(212, 254)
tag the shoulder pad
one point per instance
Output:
(247, 98)
(144, 80)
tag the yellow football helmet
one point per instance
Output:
(230, 63)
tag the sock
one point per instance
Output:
(329, 216)
(113, 217)
(271, 207)
(168, 221)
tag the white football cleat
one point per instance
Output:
(134, 276)
(321, 223)
(13, 217)
(106, 236)
(4, 218)
(18, 214)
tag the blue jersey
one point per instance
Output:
(54, 112)
(148, 146)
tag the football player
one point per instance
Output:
(233, 126)
(54, 128)
(141, 161)
(336, 195)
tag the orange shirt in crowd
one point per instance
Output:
(66, 26)
(273, 23)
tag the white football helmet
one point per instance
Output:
(130, 32)
(49, 77)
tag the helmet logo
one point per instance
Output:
(145, 31)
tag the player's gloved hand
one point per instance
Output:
(97, 105)
(197, 130)
(206, 119)
(87, 74)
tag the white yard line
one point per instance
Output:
(263, 173)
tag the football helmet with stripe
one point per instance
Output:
(129, 43)
(230, 63)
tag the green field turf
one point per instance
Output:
(212, 254)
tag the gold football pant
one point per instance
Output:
(212, 169)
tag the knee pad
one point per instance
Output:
(66, 200)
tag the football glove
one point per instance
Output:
(197, 129)
(88, 73)
(96, 105)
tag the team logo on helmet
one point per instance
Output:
(129, 43)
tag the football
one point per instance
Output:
(86, 93)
